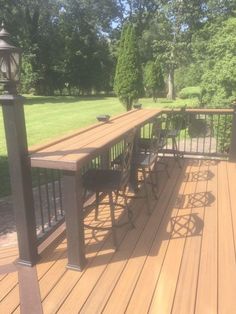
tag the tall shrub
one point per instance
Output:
(128, 76)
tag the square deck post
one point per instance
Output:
(20, 173)
(73, 205)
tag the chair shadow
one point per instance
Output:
(194, 200)
(197, 176)
(100, 245)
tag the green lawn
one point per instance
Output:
(49, 117)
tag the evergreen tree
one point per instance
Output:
(128, 76)
(153, 79)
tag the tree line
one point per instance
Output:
(72, 47)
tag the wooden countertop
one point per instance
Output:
(73, 151)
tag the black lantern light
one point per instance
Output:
(10, 62)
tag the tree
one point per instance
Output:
(153, 79)
(168, 37)
(214, 50)
(64, 42)
(128, 76)
(137, 12)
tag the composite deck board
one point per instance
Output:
(180, 259)
(206, 295)
(151, 269)
(231, 169)
(188, 274)
(163, 295)
(97, 269)
(131, 253)
(226, 248)
(120, 296)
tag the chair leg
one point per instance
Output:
(129, 212)
(112, 212)
(154, 183)
(176, 154)
(96, 205)
(84, 195)
(146, 191)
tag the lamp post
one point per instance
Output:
(16, 139)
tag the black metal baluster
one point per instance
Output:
(60, 193)
(54, 194)
(224, 136)
(185, 132)
(191, 138)
(40, 199)
(47, 197)
(212, 133)
(205, 134)
(217, 137)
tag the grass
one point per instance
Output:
(50, 117)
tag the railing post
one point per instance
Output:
(20, 173)
(232, 151)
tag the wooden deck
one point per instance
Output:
(181, 259)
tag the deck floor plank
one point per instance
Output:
(70, 278)
(151, 269)
(98, 267)
(226, 249)
(164, 293)
(231, 173)
(128, 257)
(120, 296)
(188, 274)
(206, 296)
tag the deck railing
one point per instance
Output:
(205, 133)
(48, 193)
(202, 132)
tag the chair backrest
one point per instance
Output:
(155, 138)
(176, 120)
(126, 158)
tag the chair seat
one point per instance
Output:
(143, 160)
(102, 180)
(170, 133)
(144, 143)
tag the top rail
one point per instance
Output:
(71, 152)
(38, 147)
(201, 111)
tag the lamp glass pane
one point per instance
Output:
(4, 68)
(15, 66)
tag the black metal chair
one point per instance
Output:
(107, 181)
(144, 144)
(147, 159)
(174, 123)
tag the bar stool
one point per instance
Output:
(145, 144)
(146, 161)
(107, 181)
(174, 123)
